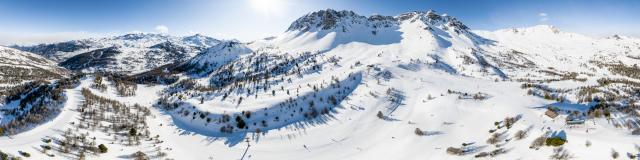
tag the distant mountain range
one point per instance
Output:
(18, 66)
(130, 53)
(334, 85)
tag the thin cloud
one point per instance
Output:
(543, 17)
(162, 29)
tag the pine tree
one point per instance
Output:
(133, 132)
(380, 115)
(240, 122)
(102, 148)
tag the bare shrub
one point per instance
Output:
(495, 138)
(521, 134)
(455, 151)
(538, 142)
(481, 154)
(560, 154)
(497, 152)
(380, 115)
(419, 132)
(588, 143)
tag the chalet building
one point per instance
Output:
(551, 113)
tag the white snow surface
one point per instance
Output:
(426, 59)
(17, 58)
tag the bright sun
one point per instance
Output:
(267, 7)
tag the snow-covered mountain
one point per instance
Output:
(216, 56)
(128, 54)
(18, 66)
(328, 28)
(447, 42)
(362, 77)
(440, 39)
(545, 47)
(339, 85)
(24, 83)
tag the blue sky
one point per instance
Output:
(32, 21)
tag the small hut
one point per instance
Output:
(575, 119)
(551, 113)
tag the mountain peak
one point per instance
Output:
(217, 55)
(430, 17)
(138, 36)
(619, 37)
(343, 21)
(543, 28)
(200, 40)
(326, 20)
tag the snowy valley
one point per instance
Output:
(334, 85)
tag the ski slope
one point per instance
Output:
(418, 70)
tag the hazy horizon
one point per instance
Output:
(38, 21)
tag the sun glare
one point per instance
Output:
(267, 7)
